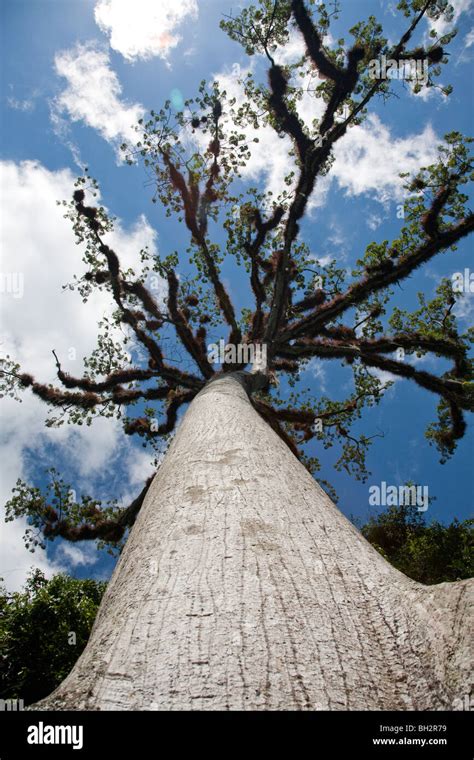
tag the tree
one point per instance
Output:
(428, 553)
(43, 630)
(33, 665)
(241, 585)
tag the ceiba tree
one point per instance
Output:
(240, 584)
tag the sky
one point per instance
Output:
(76, 76)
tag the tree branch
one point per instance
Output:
(359, 291)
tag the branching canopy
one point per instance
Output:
(301, 310)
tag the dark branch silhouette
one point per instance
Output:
(296, 320)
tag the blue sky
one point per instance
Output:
(75, 75)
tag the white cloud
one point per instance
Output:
(441, 26)
(274, 171)
(384, 376)
(387, 377)
(369, 158)
(469, 38)
(269, 144)
(374, 221)
(293, 51)
(465, 56)
(464, 308)
(93, 94)
(16, 561)
(430, 93)
(139, 469)
(39, 244)
(337, 240)
(143, 29)
(25, 105)
(318, 372)
(322, 261)
(82, 553)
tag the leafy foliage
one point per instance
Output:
(428, 553)
(57, 512)
(37, 649)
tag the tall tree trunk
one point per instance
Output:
(242, 586)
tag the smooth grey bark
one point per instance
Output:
(242, 586)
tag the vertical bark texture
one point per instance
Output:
(242, 586)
